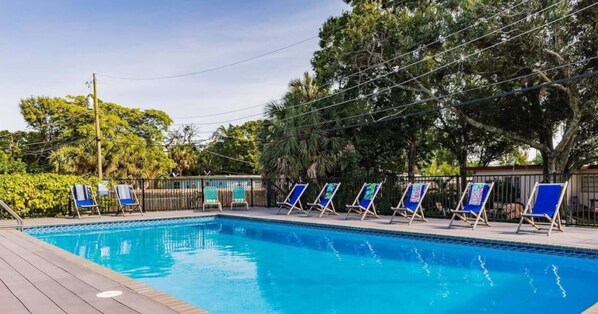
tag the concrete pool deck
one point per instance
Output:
(36, 277)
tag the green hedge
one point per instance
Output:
(40, 194)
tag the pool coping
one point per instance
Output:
(183, 307)
(455, 239)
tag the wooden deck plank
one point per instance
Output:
(33, 299)
(74, 285)
(86, 284)
(10, 303)
(101, 282)
(62, 297)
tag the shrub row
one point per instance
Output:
(40, 194)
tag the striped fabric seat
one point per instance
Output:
(83, 198)
(127, 198)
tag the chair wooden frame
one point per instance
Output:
(289, 203)
(554, 220)
(409, 213)
(91, 197)
(132, 202)
(324, 208)
(370, 208)
(463, 214)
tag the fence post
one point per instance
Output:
(202, 186)
(268, 192)
(143, 195)
(251, 192)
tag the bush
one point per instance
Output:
(40, 194)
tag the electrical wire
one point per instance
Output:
(419, 48)
(436, 98)
(418, 62)
(458, 105)
(220, 67)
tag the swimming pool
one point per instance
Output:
(227, 265)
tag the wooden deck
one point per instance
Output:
(36, 277)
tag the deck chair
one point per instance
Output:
(210, 198)
(410, 205)
(323, 202)
(364, 202)
(473, 204)
(546, 199)
(127, 198)
(239, 197)
(84, 199)
(293, 200)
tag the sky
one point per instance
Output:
(51, 48)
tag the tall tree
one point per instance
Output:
(296, 141)
(555, 119)
(234, 149)
(131, 138)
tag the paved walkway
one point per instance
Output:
(36, 277)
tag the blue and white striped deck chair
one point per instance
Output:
(84, 199)
(324, 202)
(364, 202)
(547, 199)
(127, 198)
(293, 200)
(473, 204)
(410, 205)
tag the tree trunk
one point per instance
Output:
(411, 162)
(462, 159)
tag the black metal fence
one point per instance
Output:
(507, 200)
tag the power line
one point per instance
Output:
(411, 64)
(220, 67)
(419, 48)
(458, 105)
(227, 157)
(439, 97)
(452, 94)
(450, 63)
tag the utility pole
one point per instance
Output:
(96, 110)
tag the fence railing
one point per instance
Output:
(186, 193)
(506, 202)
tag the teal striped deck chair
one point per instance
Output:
(293, 200)
(323, 202)
(547, 199)
(473, 204)
(239, 197)
(410, 205)
(84, 199)
(364, 202)
(210, 198)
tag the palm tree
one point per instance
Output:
(296, 146)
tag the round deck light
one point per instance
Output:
(109, 294)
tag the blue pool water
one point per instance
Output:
(240, 266)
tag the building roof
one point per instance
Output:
(505, 168)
